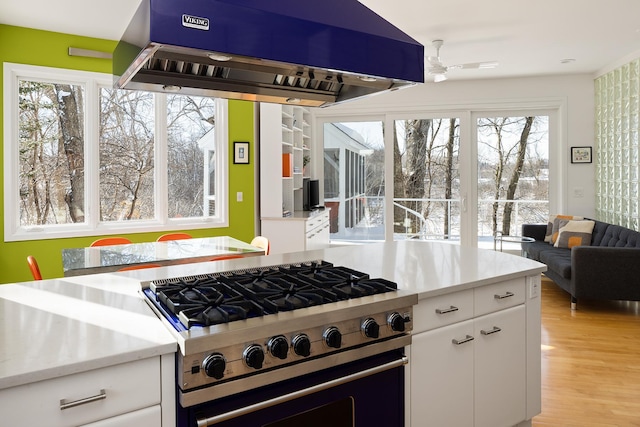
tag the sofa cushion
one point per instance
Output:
(616, 236)
(574, 233)
(554, 224)
(533, 249)
(599, 230)
(558, 260)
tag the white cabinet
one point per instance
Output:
(473, 353)
(499, 362)
(147, 417)
(287, 156)
(300, 232)
(442, 377)
(285, 143)
(105, 395)
(317, 231)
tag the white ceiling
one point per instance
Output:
(526, 37)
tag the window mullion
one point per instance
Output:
(161, 158)
(92, 154)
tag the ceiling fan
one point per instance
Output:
(438, 70)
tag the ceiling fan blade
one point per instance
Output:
(474, 65)
(439, 78)
(434, 60)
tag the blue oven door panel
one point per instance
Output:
(373, 400)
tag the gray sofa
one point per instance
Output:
(607, 269)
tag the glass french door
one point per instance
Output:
(354, 180)
(460, 178)
(426, 179)
(512, 170)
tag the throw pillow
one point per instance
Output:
(575, 233)
(553, 227)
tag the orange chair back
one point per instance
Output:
(173, 236)
(261, 242)
(108, 241)
(223, 257)
(139, 267)
(33, 266)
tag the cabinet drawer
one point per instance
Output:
(442, 310)
(89, 396)
(147, 417)
(316, 221)
(499, 296)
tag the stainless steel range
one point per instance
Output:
(243, 331)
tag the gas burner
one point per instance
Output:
(206, 302)
(365, 287)
(237, 295)
(283, 292)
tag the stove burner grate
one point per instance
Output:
(206, 302)
(226, 297)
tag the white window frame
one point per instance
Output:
(92, 82)
(555, 108)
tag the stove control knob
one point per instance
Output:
(370, 328)
(332, 337)
(214, 366)
(301, 345)
(253, 356)
(396, 322)
(278, 347)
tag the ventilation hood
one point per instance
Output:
(312, 53)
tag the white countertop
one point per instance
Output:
(53, 328)
(58, 327)
(427, 268)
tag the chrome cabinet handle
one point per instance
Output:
(503, 296)
(492, 331)
(463, 340)
(451, 309)
(66, 404)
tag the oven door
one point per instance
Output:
(367, 392)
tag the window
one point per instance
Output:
(456, 176)
(354, 185)
(82, 158)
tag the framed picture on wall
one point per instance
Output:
(580, 154)
(241, 153)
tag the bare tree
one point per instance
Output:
(515, 174)
(449, 175)
(509, 161)
(70, 114)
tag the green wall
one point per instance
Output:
(34, 47)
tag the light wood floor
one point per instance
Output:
(590, 362)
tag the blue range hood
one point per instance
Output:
(313, 53)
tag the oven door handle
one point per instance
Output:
(209, 421)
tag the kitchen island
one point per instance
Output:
(73, 328)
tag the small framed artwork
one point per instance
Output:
(241, 153)
(580, 154)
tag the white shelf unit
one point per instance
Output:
(284, 130)
(287, 130)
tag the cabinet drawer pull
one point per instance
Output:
(463, 340)
(492, 331)
(66, 404)
(503, 296)
(451, 309)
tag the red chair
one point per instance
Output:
(261, 242)
(108, 241)
(173, 236)
(139, 267)
(33, 266)
(223, 257)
